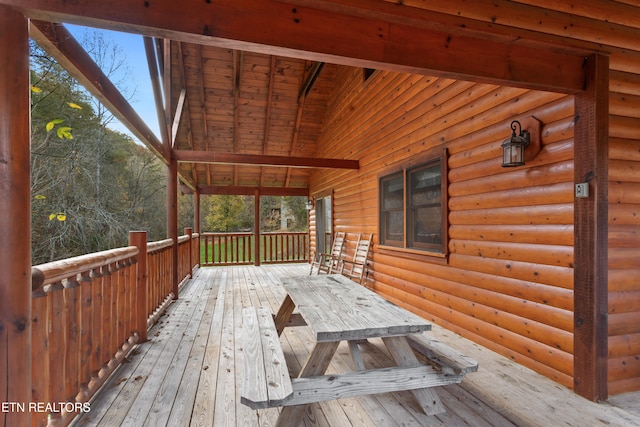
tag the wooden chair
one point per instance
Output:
(329, 263)
(356, 268)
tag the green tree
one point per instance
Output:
(90, 185)
(297, 207)
(225, 213)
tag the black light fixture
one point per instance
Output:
(514, 146)
(309, 204)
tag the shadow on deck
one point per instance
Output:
(185, 374)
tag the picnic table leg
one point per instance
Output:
(316, 364)
(284, 314)
(356, 355)
(403, 355)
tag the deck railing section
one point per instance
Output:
(284, 247)
(227, 248)
(159, 273)
(239, 248)
(87, 314)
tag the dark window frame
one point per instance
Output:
(390, 209)
(422, 241)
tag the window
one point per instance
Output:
(392, 210)
(413, 207)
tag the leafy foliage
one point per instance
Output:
(236, 213)
(228, 213)
(90, 185)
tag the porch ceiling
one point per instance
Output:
(246, 89)
(247, 120)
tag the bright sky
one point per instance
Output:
(132, 48)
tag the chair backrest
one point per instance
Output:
(357, 268)
(363, 245)
(338, 245)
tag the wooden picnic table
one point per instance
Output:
(337, 309)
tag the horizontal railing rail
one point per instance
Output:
(89, 311)
(239, 248)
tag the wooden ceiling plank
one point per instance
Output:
(264, 160)
(401, 44)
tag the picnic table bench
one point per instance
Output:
(337, 309)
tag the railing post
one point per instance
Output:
(256, 220)
(189, 232)
(139, 239)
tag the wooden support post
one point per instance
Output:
(139, 239)
(590, 232)
(196, 225)
(172, 221)
(15, 211)
(196, 211)
(189, 232)
(256, 221)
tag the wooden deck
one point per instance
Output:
(185, 374)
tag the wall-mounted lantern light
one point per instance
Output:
(514, 146)
(309, 205)
(514, 151)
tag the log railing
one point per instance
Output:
(238, 248)
(87, 314)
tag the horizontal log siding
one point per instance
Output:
(624, 234)
(613, 26)
(508, 282)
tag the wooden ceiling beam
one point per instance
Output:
(200, 76)
(382, 36)
(238, 57)
(152, 63)
(178, 116)
(267, 120)
(263, 160)
(296, 132)
(310, 81)
(203, 105)
(167, 77)
(250, 191)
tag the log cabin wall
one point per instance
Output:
(624, 232)
(508, 280)
(612, 26)
(507, 283)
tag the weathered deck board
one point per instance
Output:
(186, 373)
